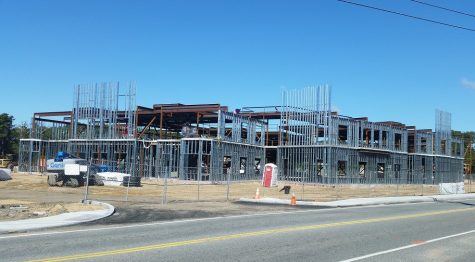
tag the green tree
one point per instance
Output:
(22, 131)
(7, 138)
(19, 132)
(469, 140)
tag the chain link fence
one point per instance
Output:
(168, 190)
(172, 190)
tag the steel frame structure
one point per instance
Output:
(307, 140)
(318, 145)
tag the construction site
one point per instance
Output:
(303, 137)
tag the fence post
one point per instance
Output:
(165, 187)
(227, 184)
(87, 181)
(398, 175)
(199, 178)
(422, 184)
(369, 184)
(470, 183)
(127, 194)
(337, 187)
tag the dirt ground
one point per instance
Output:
(152, 190)
(15, 209)
(184, 199)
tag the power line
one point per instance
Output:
(443, 8)
(406, 15)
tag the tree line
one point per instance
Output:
(10, 135)
(468, 140)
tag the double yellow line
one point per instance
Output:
(249, 234)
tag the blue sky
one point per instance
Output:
(242, 53)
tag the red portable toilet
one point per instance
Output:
(269, 177)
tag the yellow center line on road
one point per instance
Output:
(249, 234)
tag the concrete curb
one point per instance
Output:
(65, 219)
(362, 201)
(454, 197)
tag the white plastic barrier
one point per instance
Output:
(112, 178)
(451, 188)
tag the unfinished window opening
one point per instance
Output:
(366, 137)
(191, 167)
(319, 167)
(244, 130)
(380, 170)
(205, 167)
(103, 156)
(271, 155)
(397, 169)
(362, 169)
(120, 160)
(206, 148)
(228, 131)
(424, 145)
(341, 168)
(257, 166)
(227, 165)
(242, 165)
(423, 164)
(410, 173)
(360, 134)
(95, 157)
(342, 134)
(258, 138)
(321, 134)
(376, 138)
(443, 146)
(455, 149)
(286, 168)
(82, 155)
(397, 141)
(385, 139)
(188, 131)
(411, 142)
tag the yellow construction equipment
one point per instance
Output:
(7, 162)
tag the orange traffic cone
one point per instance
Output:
(258, 195)
(293, 200)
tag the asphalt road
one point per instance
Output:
(412, 232)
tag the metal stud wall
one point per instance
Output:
(316, 145)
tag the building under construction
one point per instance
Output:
(303, 137)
